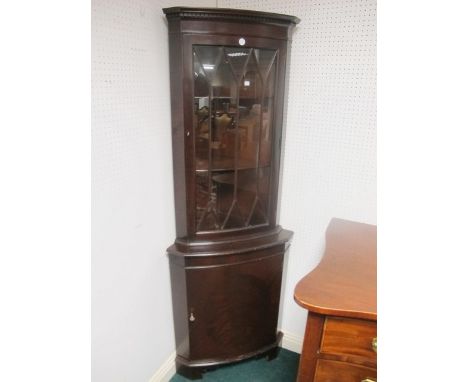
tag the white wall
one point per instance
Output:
(132, 191)
(329, 167)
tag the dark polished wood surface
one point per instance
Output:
(226, 278)
(231, 304)
(340, 296)
(345, 282)
(227, 13)
(226, 305)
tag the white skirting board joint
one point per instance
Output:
(292, 342)
(167, 370)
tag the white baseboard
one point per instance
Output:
(292, 342)
(167, 370)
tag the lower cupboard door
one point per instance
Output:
(233, 308)
(336, 371)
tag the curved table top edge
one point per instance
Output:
(326, 311)
(344, 282)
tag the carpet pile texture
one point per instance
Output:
(282, 369)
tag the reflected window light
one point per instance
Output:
(246, 83)
(237, 54)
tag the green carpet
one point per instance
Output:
(281, 369)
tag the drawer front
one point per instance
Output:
(336, 371)
(349, 337)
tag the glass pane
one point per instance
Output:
(229, 211)
(258, 213)
(265, 58)
(201, 109)
(267, 117)
(238, 59)
(233, 108)
(250, 104)
(224, 110)
(207, 203)
(209, 58)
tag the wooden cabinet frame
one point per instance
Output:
(226, 279)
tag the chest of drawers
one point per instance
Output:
(340, 342)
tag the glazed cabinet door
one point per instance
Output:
(233, 307)
(234, 123)
(234, 89)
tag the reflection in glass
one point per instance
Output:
(267, 117)
(201, 118)
(233, 116)
(223, 112)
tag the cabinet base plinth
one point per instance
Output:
(195, 369)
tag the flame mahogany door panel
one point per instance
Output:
(234, 306)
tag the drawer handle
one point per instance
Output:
(374, 344)
(369, 380)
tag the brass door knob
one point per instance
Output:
(374, 344)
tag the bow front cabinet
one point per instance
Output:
(228, 71)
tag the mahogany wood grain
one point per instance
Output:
(310, 348)
(340, 295)
(345, 282)
(235, 306)
(226, 14)
(226, 283)
(350, 340)
(336, 371)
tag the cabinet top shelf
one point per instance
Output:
(226, 13)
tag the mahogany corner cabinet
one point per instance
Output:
(228, 71)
